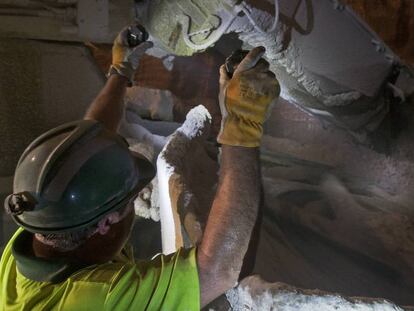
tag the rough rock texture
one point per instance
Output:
(204, 79)
(392, 20)
(328, 223)
(334, 219)
(42, 85)
(325, 59)
(187, 178)
(347, 235)
(335, 205)
(255, 294)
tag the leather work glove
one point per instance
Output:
(125, 59)
(245, 99)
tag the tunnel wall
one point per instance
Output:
(42, 85)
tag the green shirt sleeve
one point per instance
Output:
(164, 283)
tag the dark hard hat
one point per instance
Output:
(72, 176)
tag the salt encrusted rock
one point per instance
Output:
(255, 294)
(336, 233)
(147, 203)
(186, 182)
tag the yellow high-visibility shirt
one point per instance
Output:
(164, 283)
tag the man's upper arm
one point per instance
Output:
(164, 283)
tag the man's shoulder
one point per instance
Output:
(182, 261)
(104, 273)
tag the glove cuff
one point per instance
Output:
(237, 132)
(122, 70)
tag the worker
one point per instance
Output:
(73, 193)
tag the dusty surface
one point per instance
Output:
(42, 85)
(186, 178)
(392, 20)
(255, 294)
(194, 80)
(338, 215)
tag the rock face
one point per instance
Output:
(325, 226)
(186, 178)
(338, 216)
(387, 17)
(255, 294)
(42, 85)
(392, 20)
(326, 58)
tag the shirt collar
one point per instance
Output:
(40, 269)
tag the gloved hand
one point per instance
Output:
(245, 99)
(125, 59)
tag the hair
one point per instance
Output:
(69, 241)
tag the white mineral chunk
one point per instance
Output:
(290, 299)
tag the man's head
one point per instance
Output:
(75, 183)
(69, 241)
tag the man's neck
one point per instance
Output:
(87, 253)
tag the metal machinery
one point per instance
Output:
(328, 61)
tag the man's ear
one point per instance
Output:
(104, 225)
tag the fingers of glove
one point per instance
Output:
(119, 54)
(262, 66)
(122, 38)
(258, 83)
(120, 49)
(249, 102)
(135, 54)
(142, 48)
(250, 108)
(253, 112)
(251, 60)
(270, 87)
(266, 78)
(273, 89)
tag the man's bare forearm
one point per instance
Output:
(108, 106)
(235, 207)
